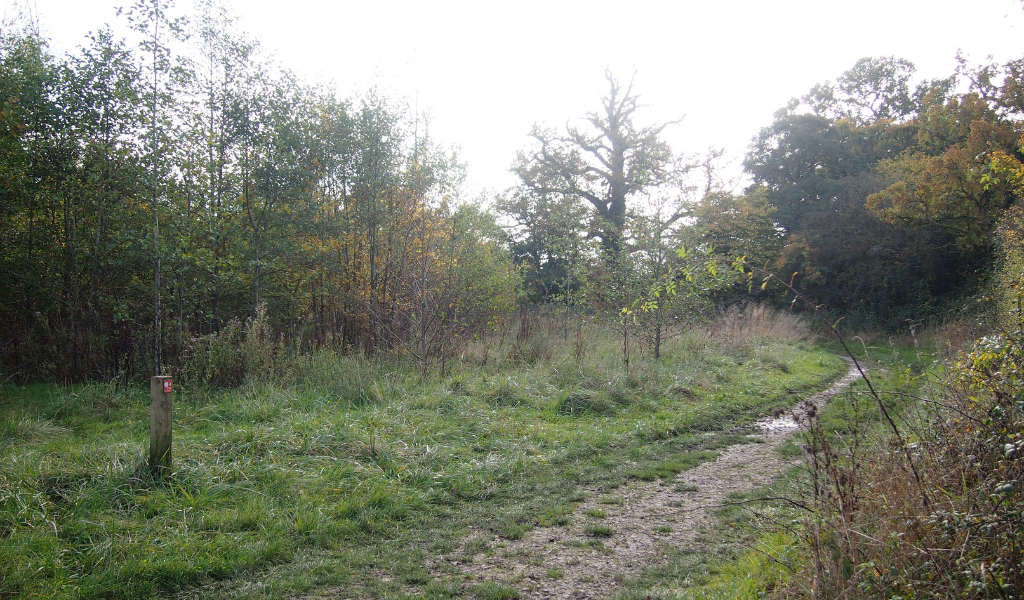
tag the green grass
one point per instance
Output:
(354, 474)
(602, 531)
(669, 469)
(495, 591)
(756, 571)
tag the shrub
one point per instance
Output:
(239, 352)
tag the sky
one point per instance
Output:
(487, 70)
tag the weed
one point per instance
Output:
(592, 544)
(959, 506)
(670, 469)
(439, 590)
(602, 531)
(739, 329)
(557, 521)
(580, 403)
(495, 591)
(755, 573)
(790, 449)
(529, 352)
(505, 393)
(596, 513)
(513, 531)
(475, 546)
(556, 515)
(442, 546)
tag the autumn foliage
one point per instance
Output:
(224, 189)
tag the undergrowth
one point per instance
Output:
(936, 512)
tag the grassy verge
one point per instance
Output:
(357, 472)
(759, 549)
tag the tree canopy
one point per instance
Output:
(879, 189)
(154, 195)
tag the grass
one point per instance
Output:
(495, 591)
(763, 567)
(357, 471)
(602, 531)
(669, 469)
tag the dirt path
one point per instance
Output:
(572, 563)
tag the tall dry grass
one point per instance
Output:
(238, 353)
(740, 326)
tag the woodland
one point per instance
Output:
(373, 370)
(156, 197)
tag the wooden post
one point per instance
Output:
(160, 419)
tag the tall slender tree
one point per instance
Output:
(150, 19)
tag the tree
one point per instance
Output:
(875, 88)
(802, 162)
(126, 176)
(548, 240)
(69, 195)
(208, 157)
(607, 163)
(149, 18)
(836, 132)
(937, 182)
(868, 142)
(738, 226)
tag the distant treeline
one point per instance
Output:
(878, 195)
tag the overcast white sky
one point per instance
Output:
(487, 70)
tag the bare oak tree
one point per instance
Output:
(606, 162)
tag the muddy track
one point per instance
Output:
(643, 518)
